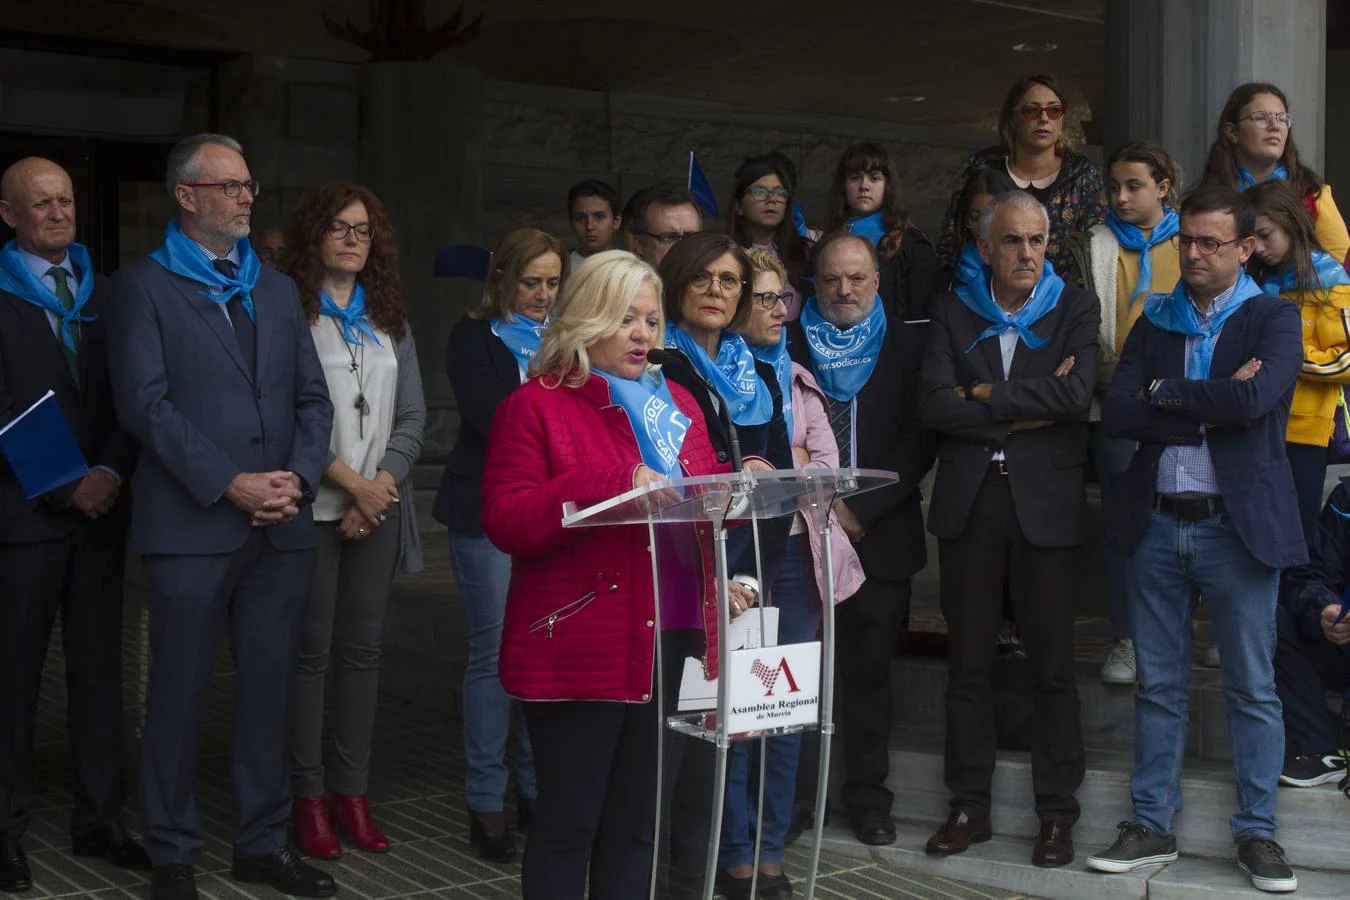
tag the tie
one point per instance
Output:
(841, 423)
(59, 275)
(244, 329)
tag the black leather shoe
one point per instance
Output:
(283, 870)
(173, 883)
(14, 874)
(733, 888)
(774, 887)
(114, 843)
(873, 829)
(497, 847)
(957, 834)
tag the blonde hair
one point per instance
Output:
(764, 261)
(516, 251)
(592, 307)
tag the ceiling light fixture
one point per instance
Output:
(1045, 47)
(907, 98)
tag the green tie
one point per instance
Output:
(68, 301)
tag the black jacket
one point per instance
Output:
(482, 373)
(889, 436)
(31, 363)
(909, 277)
(1322, 581)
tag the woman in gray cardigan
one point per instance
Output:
(340, 250)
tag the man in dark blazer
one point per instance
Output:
(1008, 376)
(867, 363)
(64, 550)
(215, 373)
(1204, 385)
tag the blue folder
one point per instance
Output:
(40, 448)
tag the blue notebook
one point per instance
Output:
(40, 448)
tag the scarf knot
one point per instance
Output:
(732, 374)
(17, 279)
(182, 256)
(1247, 179)
(352, 318)
(1131, 237)
(979, 298)
(1176, 313)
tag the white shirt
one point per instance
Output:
(1007, 348)
(360, 445)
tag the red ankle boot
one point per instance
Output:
(313, 831)
(352, 815)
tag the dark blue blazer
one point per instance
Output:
(183, 390)
(1244, 424)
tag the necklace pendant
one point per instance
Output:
(355, 366)
(361, 405)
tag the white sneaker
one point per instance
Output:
(1119, 666)
(1211, 657)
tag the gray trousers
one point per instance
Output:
(346, 621)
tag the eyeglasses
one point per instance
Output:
(1032, 111)
(1263, 118)
(338, 231)
(762, 193)
(231, 188)
(1207, 246)
(768, 299)
(728, 282)
(666, 238)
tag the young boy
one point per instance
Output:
(593, 209)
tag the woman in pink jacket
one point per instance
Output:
(796, 590)
(578, 641)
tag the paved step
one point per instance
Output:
(1202, 827)
(1005, 863)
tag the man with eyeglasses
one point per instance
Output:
(214, 371)
(668, 215)
(1204, 385)
(1008, 376)
(867, 365)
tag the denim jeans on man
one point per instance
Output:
(484, 573)
(795, 594)
(1172, 565)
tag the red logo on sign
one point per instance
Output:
(769, 676)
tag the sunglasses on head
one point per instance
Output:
(1032, 111)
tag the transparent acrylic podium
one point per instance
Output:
(739, 499)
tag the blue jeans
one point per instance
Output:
(795, 594)
(1110, 458)
(1175, 562)
(483, 573)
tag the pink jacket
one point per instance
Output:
(580, 621)
(811, 431)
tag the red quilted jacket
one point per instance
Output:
(580, 614)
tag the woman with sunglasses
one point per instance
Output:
(1035, 154)
(340, 250)
(761, 218)
(1255, 143)
(866, 199)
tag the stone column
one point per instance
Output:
(421, 139)
(1171, 64)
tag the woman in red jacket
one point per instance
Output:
(578, 644)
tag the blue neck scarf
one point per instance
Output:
(1247, 179)
(969, 265)
(1326, 272)
(352, 319)
(842, 361)
(732, 375)
(872, 227)
(979, 299)
(657, 422)
(521, 335)
(1131, 237)
(1176, 313)
(182, 256)
(799, 221)
(776, 355)
(17, 279)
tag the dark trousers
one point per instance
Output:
(869, 631)
(1308, 463)
(686, 791)
(263, 593)
(1306, 667)
(1042, 579)
(81, 577)
(595, 762)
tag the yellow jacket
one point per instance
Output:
(1330, 227)
(1326, 364)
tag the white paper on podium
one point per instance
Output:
(698, 693)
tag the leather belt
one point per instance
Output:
(1191, 509)
(998, 468)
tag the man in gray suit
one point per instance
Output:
(214, 372)
(1007, 377)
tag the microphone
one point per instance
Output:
(656, 356)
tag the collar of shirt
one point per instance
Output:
(1216, 304)
(232, 256)
(1012, 312)
(39, 266)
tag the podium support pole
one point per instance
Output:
(723, 741)
(659, 689)
(826, 701)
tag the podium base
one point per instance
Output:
(703, 725)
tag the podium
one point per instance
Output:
(743, 499)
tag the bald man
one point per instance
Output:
(62, 551)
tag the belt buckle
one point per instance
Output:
(1002, 466)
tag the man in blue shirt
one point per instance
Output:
(1204, 385)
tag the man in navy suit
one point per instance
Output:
(215, 373)
(63, 551)
(1204, 385)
